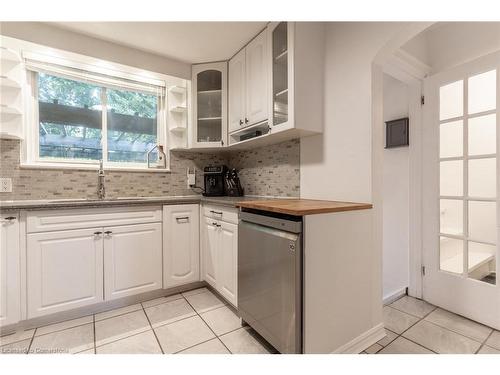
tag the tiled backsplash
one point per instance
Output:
(271, 170)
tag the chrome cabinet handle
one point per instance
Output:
(179, 219)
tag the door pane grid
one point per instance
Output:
(468, 230)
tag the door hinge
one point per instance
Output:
(422, 100)
(423, 270)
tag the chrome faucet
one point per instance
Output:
(101, 191)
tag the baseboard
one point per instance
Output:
(363, 341)
(394, 296)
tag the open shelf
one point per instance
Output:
(208, 92)
(281, 93)
(8, 113)
(178, 129)
(178, 90)
(281, 58)
(209, 118)
(178, 109)
(9, 83)
(8, 55)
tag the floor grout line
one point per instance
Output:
(123, 338)
(152, 329)
(31, 342)
(192, 346)
(117, 315)
(95, 346)
(210, 328)
(484, 342)
(173, 321)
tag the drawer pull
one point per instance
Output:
(9, 219)
(108, 232)
(97, 233)
(180, 219)
(216, 212)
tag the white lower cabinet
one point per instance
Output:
(227, 277)
(64, 270)
(78, 264)
(210, 244)
(132, 260)
(220, 257)
(10, 292)
(181, 244)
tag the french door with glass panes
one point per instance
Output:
(460, 190)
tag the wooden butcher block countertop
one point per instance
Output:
(301, 207)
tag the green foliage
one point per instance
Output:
(74, 93)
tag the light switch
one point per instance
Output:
(5, 185)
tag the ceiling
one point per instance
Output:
(191, 42)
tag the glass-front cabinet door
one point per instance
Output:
(282, 74)
(209, 105)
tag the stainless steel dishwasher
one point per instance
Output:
(270, 277)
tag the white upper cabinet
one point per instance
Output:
(237, 91)
(132, 259)
(297, 55)
(249, 81)
(257, 80)
(209, 122)
(64, 270)
(10, 291)
(181, 250)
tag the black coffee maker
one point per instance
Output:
(233, 185)
(214, 180)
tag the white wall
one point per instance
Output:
(66, 40)
(449, 44)
(338, 164)
(395, 195)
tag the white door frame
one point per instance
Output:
(412, 72)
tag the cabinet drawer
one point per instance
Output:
(227, 214)
(53, 220)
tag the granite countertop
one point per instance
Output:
(85, 203)
(301, 207)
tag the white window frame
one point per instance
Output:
(30, 151)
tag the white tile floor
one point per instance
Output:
(415, 327)
(195, 322)
(198, 322)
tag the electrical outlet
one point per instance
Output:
(191, 178)
(5, 185)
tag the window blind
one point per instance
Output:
(94, 74)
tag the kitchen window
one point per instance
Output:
(80, 117)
